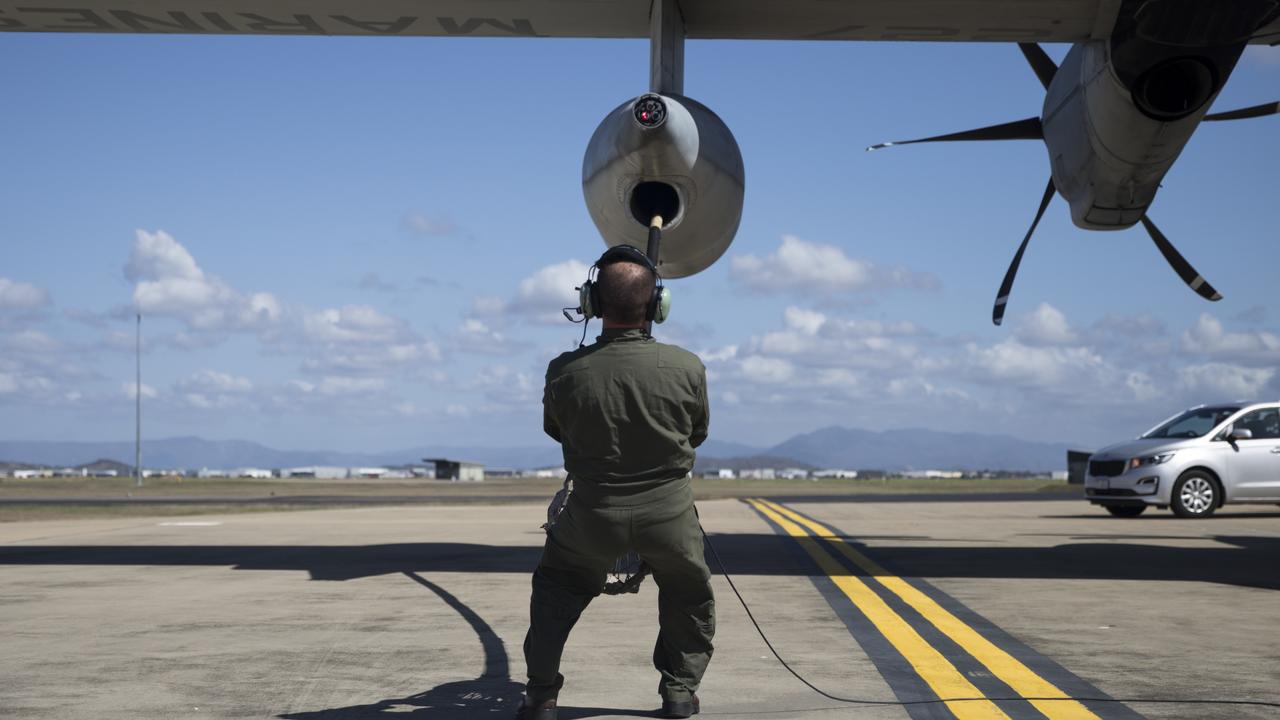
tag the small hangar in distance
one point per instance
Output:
(457, 470)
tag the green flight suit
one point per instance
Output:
(628, 412)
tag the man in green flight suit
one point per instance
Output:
(628, 412)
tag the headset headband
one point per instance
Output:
(627, 253)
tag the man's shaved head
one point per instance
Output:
(625, 291)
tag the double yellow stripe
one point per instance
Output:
(938, 672)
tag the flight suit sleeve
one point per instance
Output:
(702, 417)
(549, 424)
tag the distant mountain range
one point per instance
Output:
(832, 447)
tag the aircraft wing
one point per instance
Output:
(938, 20)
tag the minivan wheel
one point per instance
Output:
(1126, 510)
(1195, 495)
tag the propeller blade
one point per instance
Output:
(1179, 264)
(1002, 297)
(1040, 62)
(1256, 111)
(1028, 129)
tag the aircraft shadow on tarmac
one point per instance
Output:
(1246, 561)
(493, 694)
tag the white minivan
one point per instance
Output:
(1193, 463)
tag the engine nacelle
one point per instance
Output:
(1119, 111)
(1109, 146)
(667, 155)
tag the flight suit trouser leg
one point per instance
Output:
(579, 551)
(668, 538)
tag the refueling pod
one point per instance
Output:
(667, 155)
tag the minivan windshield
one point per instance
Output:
(1193, 423)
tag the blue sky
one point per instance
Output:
(363, 244)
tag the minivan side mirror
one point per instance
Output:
(1239, 434)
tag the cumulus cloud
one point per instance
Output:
(803, 267)
(540, 296)
(1046, 325)
(374, 360)
(355, 339)
(1208, 337)
(1047, 379)
(130, 390)
(210, 389)
(770, 370)
(477, 336)
(21, 297)
(1060, 370)
(351, 324)
(169, 283)
(1216, 382)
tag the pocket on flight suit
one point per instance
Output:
(583, 539)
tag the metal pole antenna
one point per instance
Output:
(137, 396)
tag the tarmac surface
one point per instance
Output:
(391, 612)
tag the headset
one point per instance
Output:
(589, 301)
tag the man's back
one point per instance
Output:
(629, 412)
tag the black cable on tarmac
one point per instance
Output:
(858, 701)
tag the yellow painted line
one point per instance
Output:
(1016, 675)
(942, 677)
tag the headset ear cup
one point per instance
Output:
(586, 300)
(662, 305)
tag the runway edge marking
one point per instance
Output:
(948, 615)
(938, 673)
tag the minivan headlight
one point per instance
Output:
(1160, 459)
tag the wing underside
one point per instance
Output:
(930, 20)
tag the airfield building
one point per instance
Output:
(836, 473)
(316, 471)
(457, 470)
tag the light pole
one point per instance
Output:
(137, 395)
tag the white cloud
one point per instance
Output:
(215, 381)
(540, 296)
(805, 321)
(351, 324)
(477, 336)
(210, 390)
(816, 269)
(333, 386)
(1218, 382)
(505, 386)
(768, 370)
(20, 296)
(1253, 347)
(552, 286)
(130, 390)
(1057, 369)
(1046, 325)
(31, 341)
(169, 283)
(375, 359)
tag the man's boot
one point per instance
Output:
(529, 710)
(680, 708)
